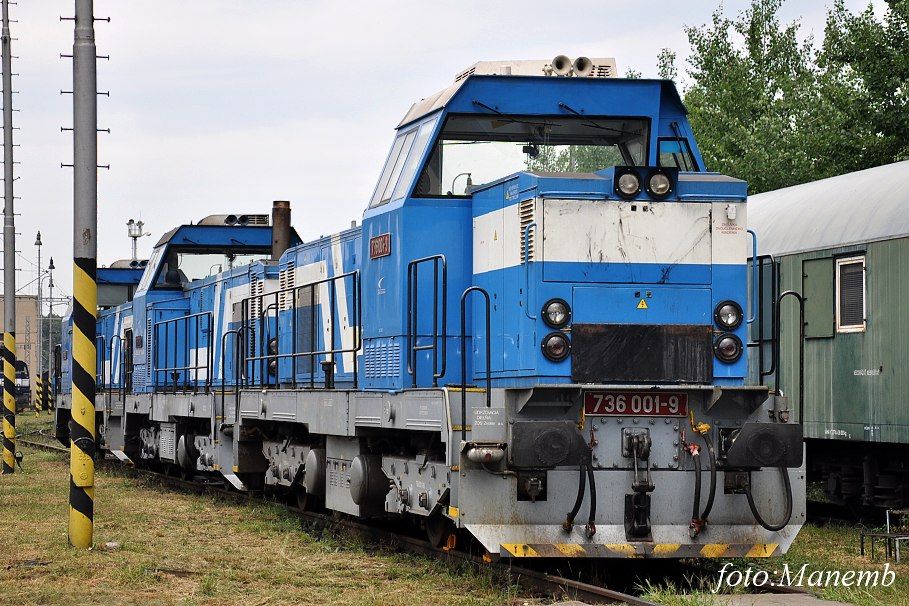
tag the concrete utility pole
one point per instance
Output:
(9, 257)
(85, 287)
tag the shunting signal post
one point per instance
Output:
(85, 289)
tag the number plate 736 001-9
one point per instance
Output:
(655, 404)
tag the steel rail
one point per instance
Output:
(537, 580)
(534, 579)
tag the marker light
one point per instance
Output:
(728, 314)
(556, 313)
(727, 347)
(556, 346)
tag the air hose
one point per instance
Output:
(711, 457)
(698, 517)
(754, 511)
(569, 519)
(696, 508)
(591, 525)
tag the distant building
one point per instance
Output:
(27, 315)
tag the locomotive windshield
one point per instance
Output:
(177, 267)
(476, 149)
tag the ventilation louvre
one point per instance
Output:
(852, 294)
(286, 281)
(525, 218)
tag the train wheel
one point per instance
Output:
(439, 528)
(306, 501)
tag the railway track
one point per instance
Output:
(539, 581)
(536, 580)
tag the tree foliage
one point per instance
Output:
(776, 111)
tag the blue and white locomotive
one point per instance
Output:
(534, 339)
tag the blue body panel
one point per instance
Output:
(299, 325)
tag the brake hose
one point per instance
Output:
(591, 525)
(754, 511)
(695, 510)
(569, 520)
(711, 457)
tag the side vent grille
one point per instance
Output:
(381, 360)
(286, 281)
(148, 341)
(466, 73)
(257, 219)
(602, 70)
(256, 288)
(525, 218)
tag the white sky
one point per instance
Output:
(221, 106)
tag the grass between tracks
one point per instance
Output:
(189, 549)
(830, 547)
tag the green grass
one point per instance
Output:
(187, 549)
(831, 547)
(180, 548)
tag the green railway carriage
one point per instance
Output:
(843, 243)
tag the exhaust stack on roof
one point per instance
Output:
(280, 228)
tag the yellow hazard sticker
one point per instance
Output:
(642, 304)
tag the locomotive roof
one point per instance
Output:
(864, 206)
(258, 236)
(442, 99)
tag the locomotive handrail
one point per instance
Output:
(176, 370)
(58, 371)
(413, 268)
(238, 342)
(464, 356)
(332, 350)
(777, 330)
(99, 361)
(527, 263)
(754, 269)
(121, 389)
(759, 298)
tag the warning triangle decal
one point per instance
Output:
(642, 304)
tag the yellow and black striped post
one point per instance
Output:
(85, 289)
(82, 426)
(38, 395)
(9, 402)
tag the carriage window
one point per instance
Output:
(850, 294)
(476, 149)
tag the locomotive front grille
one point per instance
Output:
(603, 353)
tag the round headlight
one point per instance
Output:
(273, 368)
(556, 313)
(659, 185)
(629, 185)
(273, 345)
(556, 346)
(728, 314)
(727, 347)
